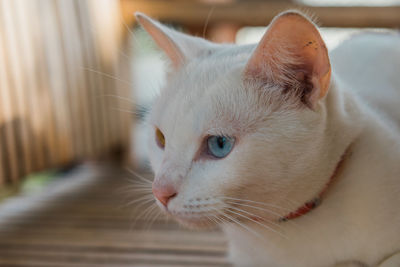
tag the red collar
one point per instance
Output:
(312, 204)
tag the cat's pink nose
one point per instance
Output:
(164, 193)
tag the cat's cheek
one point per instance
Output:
(155, 155)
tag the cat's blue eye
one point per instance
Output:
(220, 146)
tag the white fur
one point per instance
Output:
(284, 155)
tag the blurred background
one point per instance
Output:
(76, 80)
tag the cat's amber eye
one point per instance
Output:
(160, 139)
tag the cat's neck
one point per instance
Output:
(343, 118)
(346, 120)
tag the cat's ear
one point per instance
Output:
(292, 54)
(178, 47)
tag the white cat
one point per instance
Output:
(297, 159)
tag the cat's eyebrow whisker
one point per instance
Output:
(119, 97)
(256, 222)
(207, 21)
(108, 76)
(125, 110)
(124, 55)
(131, 32)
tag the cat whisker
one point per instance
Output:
(293, 223)
(157, 214)
(133, 180)
(125, 55)
(212, 219)
(119, 97)
(219, 220)
(255, 202)
(231, 219)
(136, 183)
(145, 198)
(108, 76)
(254, 215)
(227, 218)
(258, 223)
(136, 186)
(125, 110)
(144, 211)
(141, 191)
(131, 32)
(254, 207)
(139, 187)
(207, 20)
(148, 214)
(143, 179)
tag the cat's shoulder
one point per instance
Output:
(369, 44)
(368, 64)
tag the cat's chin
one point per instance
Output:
(196, 223)
(193, 222)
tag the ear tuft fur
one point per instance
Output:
(179, 47)
(292, 55)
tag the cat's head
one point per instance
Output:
(237, 132)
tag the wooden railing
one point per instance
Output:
(201, 13)
(61, 67)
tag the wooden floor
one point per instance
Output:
(82, 220)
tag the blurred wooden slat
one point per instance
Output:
(85, 25)
(116, 64)
(56, 60)
(57, 80)
(72, 54)
(259, 13)
(48, 125)
(101, 36)
(9, 170)
(31, 91)
(93, 226)
(12, 59)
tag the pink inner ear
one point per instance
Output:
(292, 43)
(162, 39)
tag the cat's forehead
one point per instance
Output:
(204, 86)
(210, 94)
